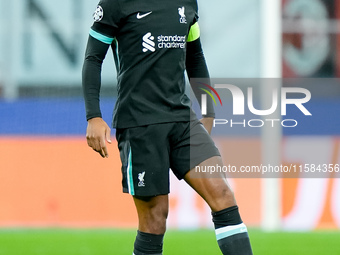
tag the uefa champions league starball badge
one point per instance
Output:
(98, 14)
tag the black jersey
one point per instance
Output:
(149, 42)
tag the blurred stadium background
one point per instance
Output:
(50, 179)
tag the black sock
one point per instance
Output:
(231, 233)
(148, 244)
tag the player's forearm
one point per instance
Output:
(91, 76)
(91, 89)
(197, 68)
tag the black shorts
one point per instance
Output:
(148, 152)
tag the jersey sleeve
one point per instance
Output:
(194, 31)
(102, 33)
(107, 19)
(196, 68)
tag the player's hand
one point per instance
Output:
(207, 123)
(97, 134)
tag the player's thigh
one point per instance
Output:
(215, 190)
(194, 147)
(191, 145)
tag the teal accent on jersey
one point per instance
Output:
(100, 37)
(130, 176)
(115, 41)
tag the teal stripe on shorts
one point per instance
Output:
(130, 176)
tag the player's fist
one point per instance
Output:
(97, 134)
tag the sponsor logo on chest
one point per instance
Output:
(150, 42)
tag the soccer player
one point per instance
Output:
(154, 42)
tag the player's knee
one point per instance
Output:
(152, 213)
(223, 199)
(157, 217)
(160, 213)
(227, 192)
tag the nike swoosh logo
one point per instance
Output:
(243, 230)
(139, 16)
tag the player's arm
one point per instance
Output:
(98, 132)
(197, 68)
(107, 18)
